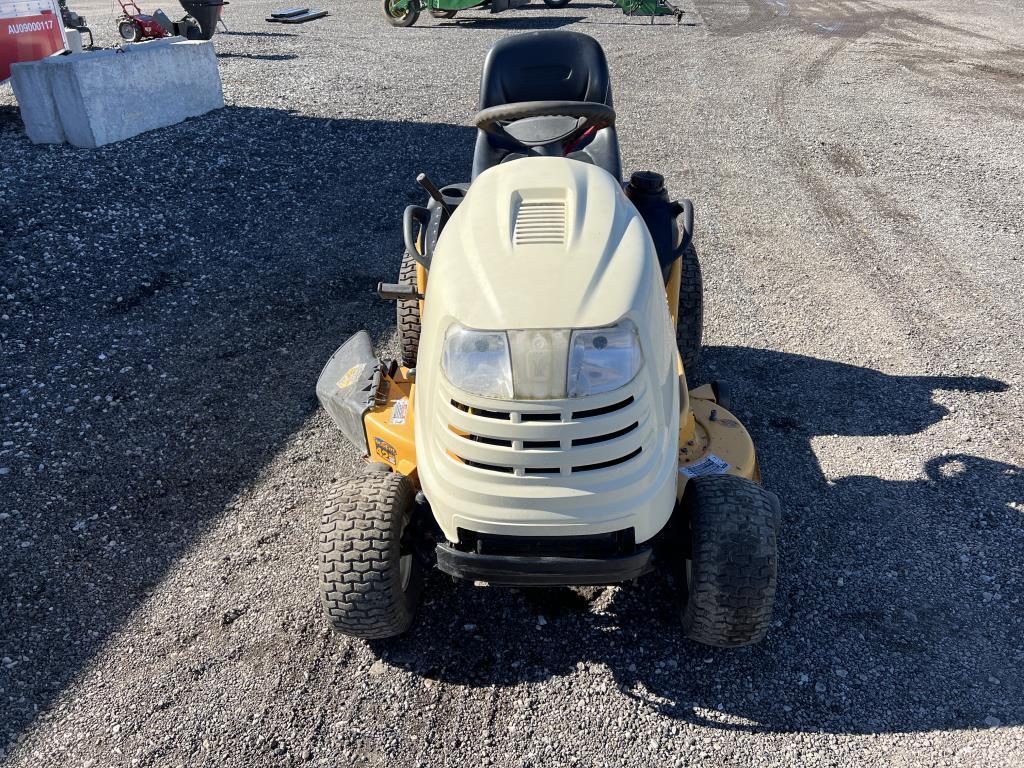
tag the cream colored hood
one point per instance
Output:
(548, 243)
(537, 244)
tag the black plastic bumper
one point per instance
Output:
(526, 571)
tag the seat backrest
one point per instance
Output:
(545, 66)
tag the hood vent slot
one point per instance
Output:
(540, 222)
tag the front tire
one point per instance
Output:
(690, 325)
(369, 584)
(408, 314)
(731, 575)
(401, 18)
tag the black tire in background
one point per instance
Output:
(556, 3)
(369, 587)
(400, 20)
(690, 328)
(408, 314)
(438, 13)
(731, 575)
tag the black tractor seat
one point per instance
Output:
(547, 66)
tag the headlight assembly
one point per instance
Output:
(603, 359)
(541, 364)
(477, 362)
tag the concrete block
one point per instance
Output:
(100, 97)
(33, 88)
(148, 45)
(31, 85)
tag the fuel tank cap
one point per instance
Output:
(650, 182)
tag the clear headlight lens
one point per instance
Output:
(478, 362)
(541, 364)
(603, 359)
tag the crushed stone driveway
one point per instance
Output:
(167, 303)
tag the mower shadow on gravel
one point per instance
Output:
(895, 609)
(196, 304)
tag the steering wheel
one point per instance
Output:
(569, 119)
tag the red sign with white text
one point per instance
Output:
(29, 30)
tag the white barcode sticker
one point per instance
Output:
(399, 411)
(709, 465)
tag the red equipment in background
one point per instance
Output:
(199, 22)
(29, 30)
(134, 25)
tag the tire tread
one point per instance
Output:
(408, 314)
(734, 527)
(359, 554)
(690, 327)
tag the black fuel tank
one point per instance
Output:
(646, 190)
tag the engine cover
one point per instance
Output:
(548, 243)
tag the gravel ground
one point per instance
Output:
(167, 303)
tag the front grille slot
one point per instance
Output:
(533, 445)
(605, 438)
(609, 463)
(508, 470)
(505, 415)
(488, 467)
(491, 440)
(602, 411)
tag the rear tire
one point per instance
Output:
(369, 588)
(690, 327)
(397, 18)
(408, 314)
(731, 578)
(129, 31)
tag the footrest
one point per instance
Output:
(397, 291)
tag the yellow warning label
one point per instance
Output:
(350, 376)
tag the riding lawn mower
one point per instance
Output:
(538, 429)
(404, 13)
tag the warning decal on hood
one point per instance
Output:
(709, 465)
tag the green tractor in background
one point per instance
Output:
(404, 13)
